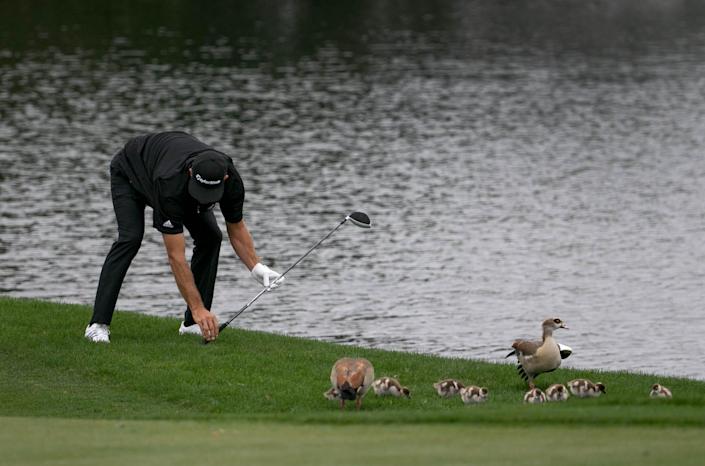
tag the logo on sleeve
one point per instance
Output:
(168, 224)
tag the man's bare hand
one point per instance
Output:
(208, 323)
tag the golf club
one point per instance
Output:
(359, 219)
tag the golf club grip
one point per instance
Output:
(220, 329)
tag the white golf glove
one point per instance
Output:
(264, 275)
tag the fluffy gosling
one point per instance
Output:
(583, 388)
(389, 386)
(659, 391)
(557, 392)
(534, 396)
(448, 388)
(473, 394)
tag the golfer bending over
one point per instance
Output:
(181, 179)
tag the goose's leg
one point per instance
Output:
(532, 385)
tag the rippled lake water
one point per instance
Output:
(519, 161)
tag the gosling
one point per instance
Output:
(448, 388)
(534, 396)
(659, 391)
(389, 386)
(557, 392)
(473, 394)
(584, 388)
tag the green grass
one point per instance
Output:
(83, 442)
(149, 393)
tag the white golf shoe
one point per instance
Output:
(98, 333)
(194, 329)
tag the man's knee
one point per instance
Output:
(130, 240)
(216, 236)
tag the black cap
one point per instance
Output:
(206, 184)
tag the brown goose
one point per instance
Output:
(537, 357)
(351, 378)
(390, 386)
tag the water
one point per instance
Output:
(518, 161)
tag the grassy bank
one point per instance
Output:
(250, 386)
(149, 372)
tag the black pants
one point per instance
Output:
(129, 211)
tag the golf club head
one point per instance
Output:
(359, 219)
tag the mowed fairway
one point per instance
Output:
(30, 441)
(152, 397)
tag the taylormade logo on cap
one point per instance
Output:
(208, 172)
(204, 181)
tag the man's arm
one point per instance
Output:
(176, 250)
(244, 246)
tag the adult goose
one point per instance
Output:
(536, 357)
(350, 378)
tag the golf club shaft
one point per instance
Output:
(264, 290)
